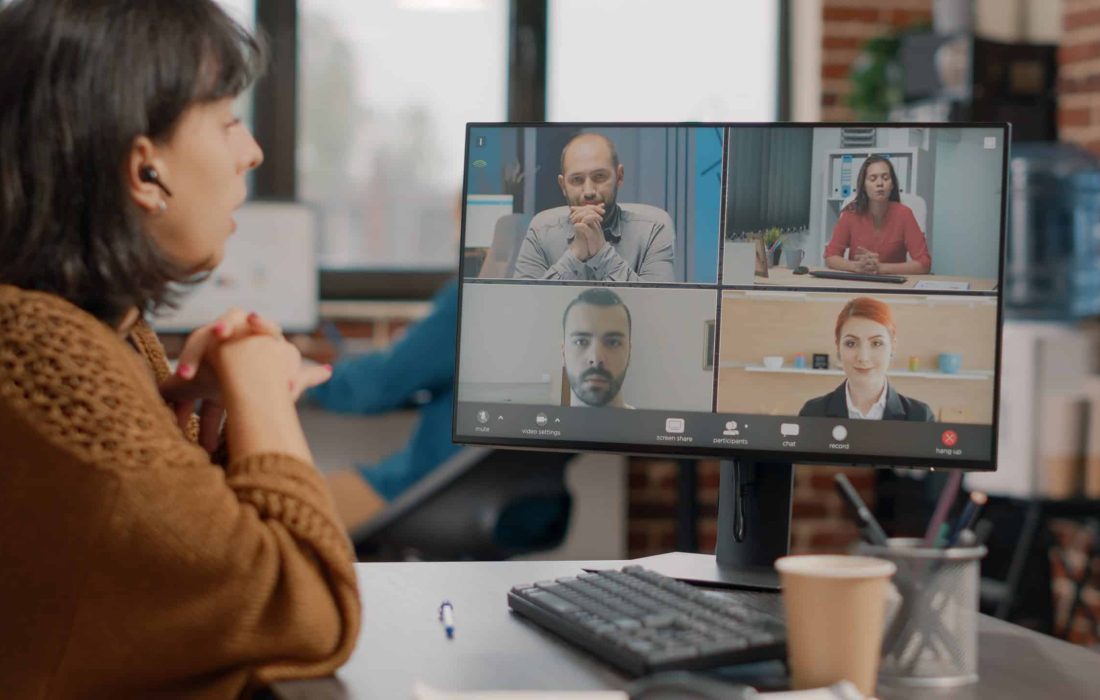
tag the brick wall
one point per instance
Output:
(846, 25)
(1079, 74)
(1075, 574)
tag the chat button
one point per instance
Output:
(789, 429)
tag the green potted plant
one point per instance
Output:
(773, 243)
(876, 79)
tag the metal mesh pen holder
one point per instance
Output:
(931, 640)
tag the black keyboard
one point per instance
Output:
(642, 622)
(857, 276)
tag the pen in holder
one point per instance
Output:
(932, 638)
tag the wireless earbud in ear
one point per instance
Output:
(148, 173)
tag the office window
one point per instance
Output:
(244, 11)
(691, 60)
(385, 90)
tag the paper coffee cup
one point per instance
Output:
(835, 607)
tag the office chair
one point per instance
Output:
(481, 504)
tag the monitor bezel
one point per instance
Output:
(782, 456)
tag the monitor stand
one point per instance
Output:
(754, 529)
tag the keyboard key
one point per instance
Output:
(553, 602)
(659, 620)
(673, 654)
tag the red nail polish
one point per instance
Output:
(219, 330)
(185, 370)
(329, 368)
(253, 317)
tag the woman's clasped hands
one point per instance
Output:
(239, 355)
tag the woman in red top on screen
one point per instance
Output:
(880, 233)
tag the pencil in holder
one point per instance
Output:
(932, 638)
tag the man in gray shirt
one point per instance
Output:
(594, 238)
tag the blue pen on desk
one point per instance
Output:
(447, 617)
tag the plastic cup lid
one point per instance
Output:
(835, 566)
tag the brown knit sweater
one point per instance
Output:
(130, 564)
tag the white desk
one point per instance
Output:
(402, 642)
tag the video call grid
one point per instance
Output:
(720, 285)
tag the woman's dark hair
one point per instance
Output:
(861, 203)
(79, 81)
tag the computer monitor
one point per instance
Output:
(761, 293)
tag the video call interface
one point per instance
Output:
(825, 293)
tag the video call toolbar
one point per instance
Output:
(685, 432)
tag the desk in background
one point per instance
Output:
(402, 642)
(785, 277)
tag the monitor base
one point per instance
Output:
(704, 569)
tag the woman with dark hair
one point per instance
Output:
(148, 551)
(880, 233)
(866, 342)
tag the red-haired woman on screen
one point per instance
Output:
(866, 338)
